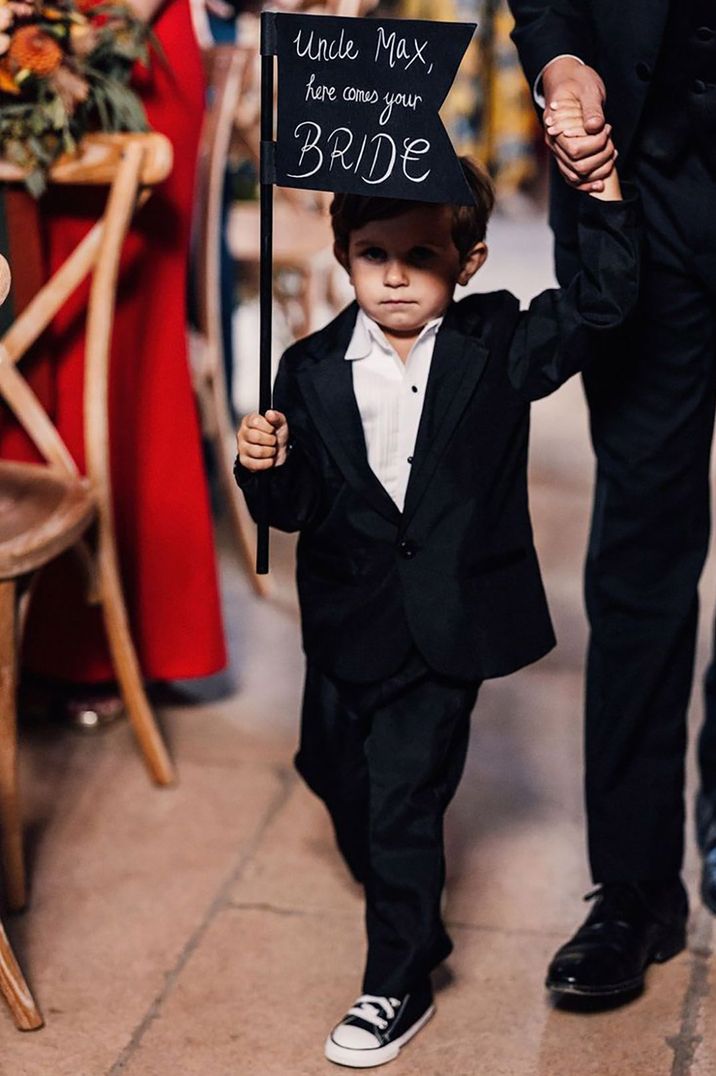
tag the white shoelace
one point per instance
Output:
(368, 1008)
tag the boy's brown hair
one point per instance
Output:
(469, 222)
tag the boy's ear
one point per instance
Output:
(475, 260)
(341, 255)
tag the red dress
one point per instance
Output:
(162, 511)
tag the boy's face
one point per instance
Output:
(404, 270)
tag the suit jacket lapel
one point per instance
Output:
(328, 391)
(458, 363)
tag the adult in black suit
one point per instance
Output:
(650, 66)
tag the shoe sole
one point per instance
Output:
(669, 947)
(353, 1059)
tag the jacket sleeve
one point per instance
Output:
(564, 328)
(544, 30)
(295, 487)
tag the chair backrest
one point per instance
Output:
(127, 163)
(225, 69)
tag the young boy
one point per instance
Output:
(398, 449)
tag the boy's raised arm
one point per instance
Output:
(564, 328)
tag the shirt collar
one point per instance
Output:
(367, 333)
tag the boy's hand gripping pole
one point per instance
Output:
(266, 178)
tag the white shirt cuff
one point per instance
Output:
(537, 88)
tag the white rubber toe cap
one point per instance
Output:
(351, 1037)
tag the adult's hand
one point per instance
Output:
(584, 153)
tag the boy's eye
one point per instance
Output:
(373, 254)
(419, 255)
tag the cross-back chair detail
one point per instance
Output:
(50, 508)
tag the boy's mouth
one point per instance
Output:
(398, 302)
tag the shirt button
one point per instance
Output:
(410, 459)
(407, 549)
(643, 72)
(415, 388)
(704, 33)
(698, 86)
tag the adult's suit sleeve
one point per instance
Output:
(294, 488)
(564, 328)
(545, 30)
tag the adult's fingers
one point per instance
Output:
(592, 108)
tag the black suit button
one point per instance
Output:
(698, 86)
(643, 72)
(704, 33)
(407, 549)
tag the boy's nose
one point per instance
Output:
(395, 274)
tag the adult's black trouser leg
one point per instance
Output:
(387, 760)
(652, 413)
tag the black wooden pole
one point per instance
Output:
(265, 269)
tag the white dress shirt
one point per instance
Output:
(390, 395)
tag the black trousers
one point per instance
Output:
(652, 413)
(386, 759)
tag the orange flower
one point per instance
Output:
(34, 50)
(7, 82)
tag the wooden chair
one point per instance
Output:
(46, 509)
(12, 983)
(223, 66)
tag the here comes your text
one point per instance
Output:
(358, 106)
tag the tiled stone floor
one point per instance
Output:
(212, 931)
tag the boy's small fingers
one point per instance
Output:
(258, 422)
(252, 464)
(603, 172)
(260, 452)
(260, 437)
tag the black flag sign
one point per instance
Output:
(358, 104)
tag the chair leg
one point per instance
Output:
(15, 990)
(13, 865)
(127, 669)
(223, 440)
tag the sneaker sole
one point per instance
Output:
(667, 948)
(381, 1055)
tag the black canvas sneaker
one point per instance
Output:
(375, 1030)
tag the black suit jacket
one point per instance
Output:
(622, 40)
(455, 574)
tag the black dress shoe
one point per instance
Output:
(630, 926)
(706, 837)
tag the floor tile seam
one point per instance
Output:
(687, 1040)
(485, 928)
(219, 901)
(331, 913)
